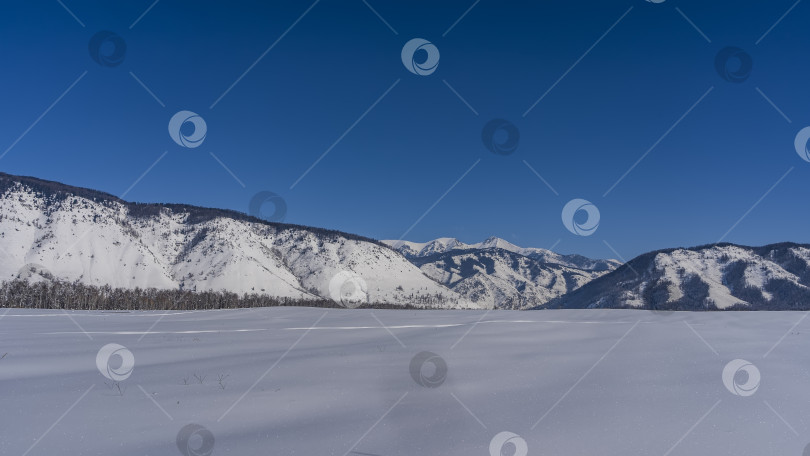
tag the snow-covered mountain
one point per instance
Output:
(497, 273)
(50, 230)
(499, 278)
(414, 250)
(721, 276)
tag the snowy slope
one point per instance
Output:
(442, 245)
(499, 278)
(722, 276)
(498, 274)
(49, 229)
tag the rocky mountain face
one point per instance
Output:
(498, 278)
(713, 277)
(415, 250)
(498, 274)
(50, 231)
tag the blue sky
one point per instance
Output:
(609, 97)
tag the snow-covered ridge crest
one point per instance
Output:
(94, 238)
(712, 277)
(498, 274)
(415, 250)
(499, 278)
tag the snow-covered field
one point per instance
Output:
(265, 382)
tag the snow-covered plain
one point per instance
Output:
(568, 382)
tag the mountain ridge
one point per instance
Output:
(416, 250)
(59, 189)
(706, 277)
(57, 232)
(499, 278)
(80, 235)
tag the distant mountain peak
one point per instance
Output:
(496, 242)
(446, 244)
(497, 273)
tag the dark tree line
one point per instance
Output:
(78, 296)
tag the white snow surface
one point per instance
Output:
(617, 382)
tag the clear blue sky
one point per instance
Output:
(396, 162)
